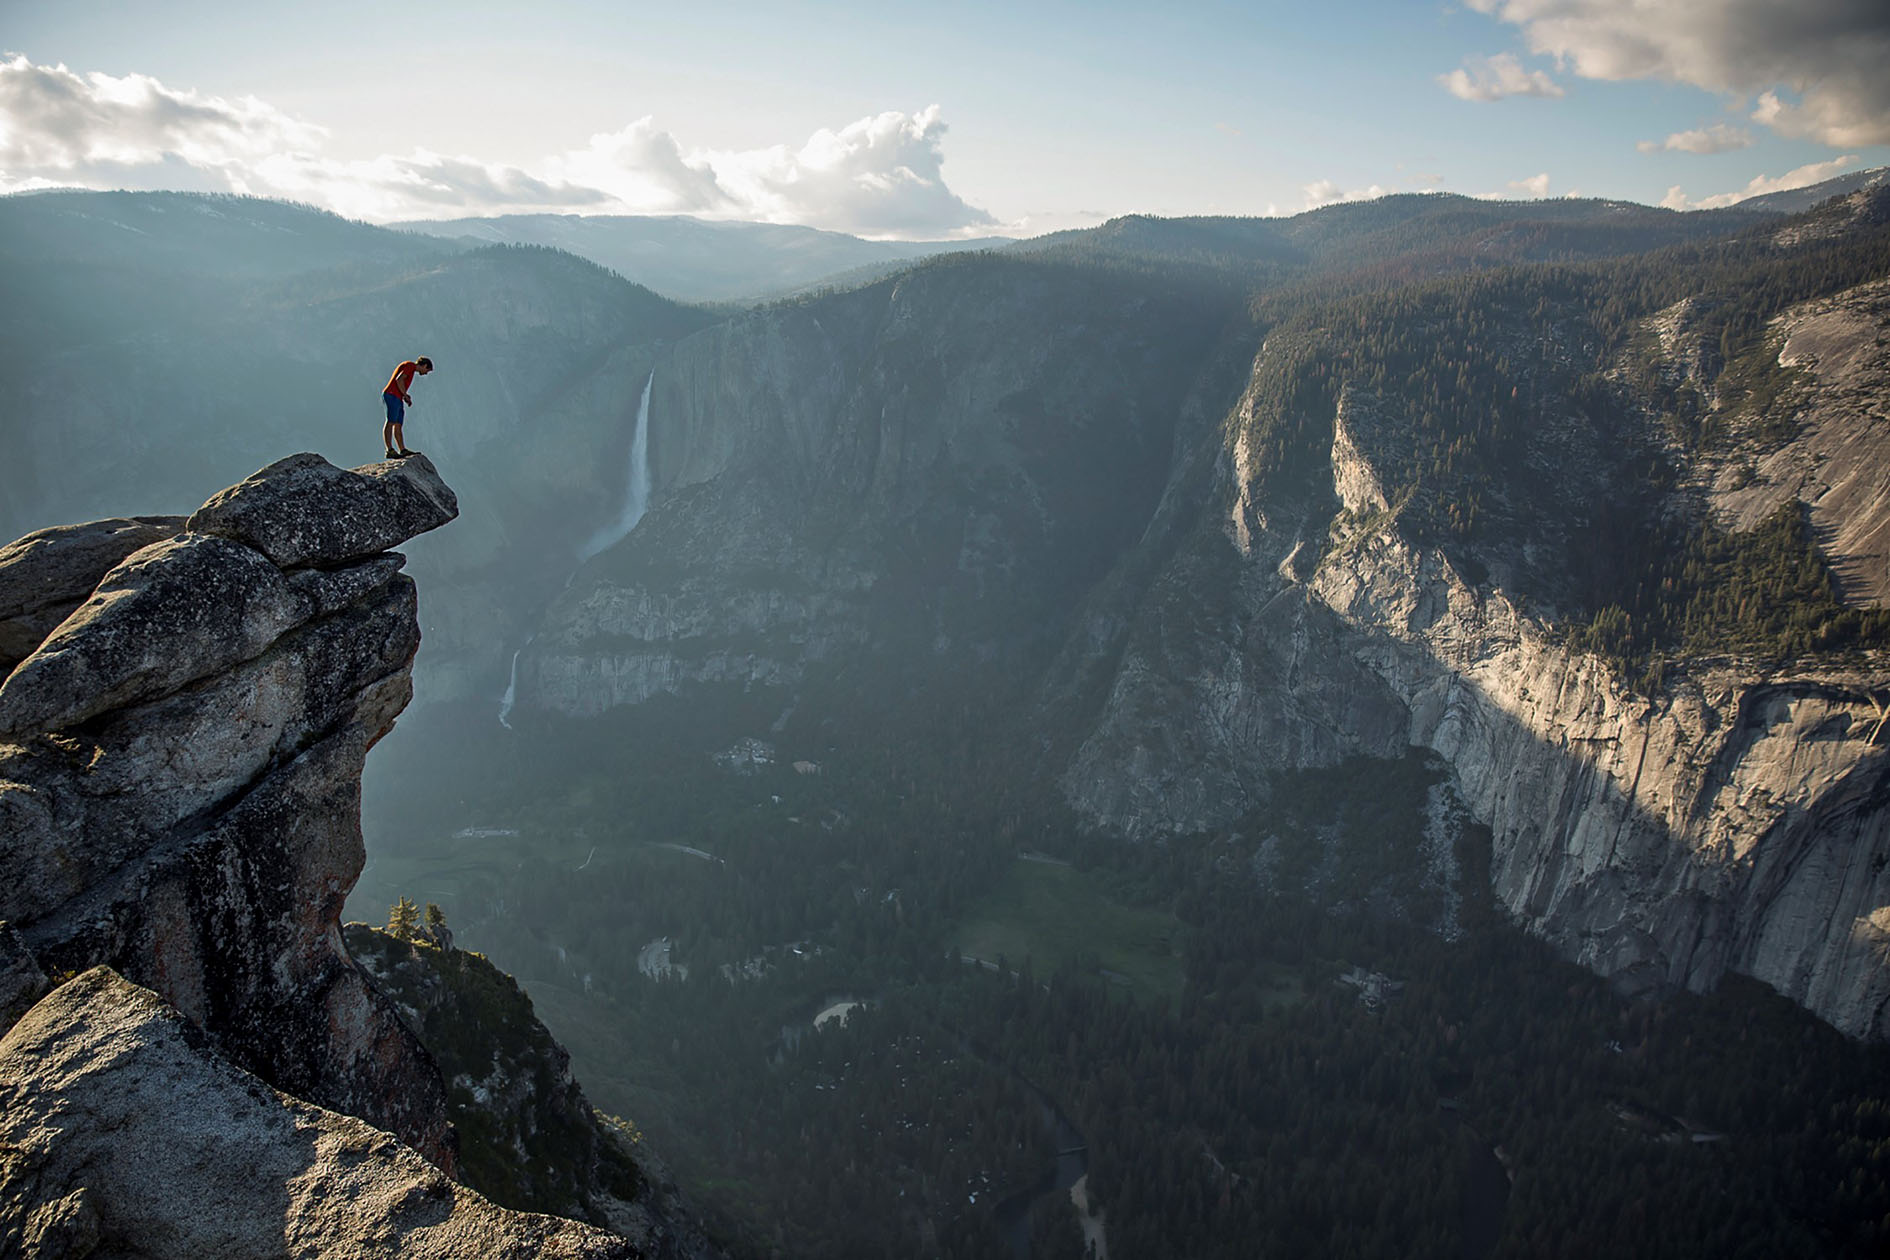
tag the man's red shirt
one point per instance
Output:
(403, 377)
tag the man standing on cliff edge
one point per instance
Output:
(396, 398)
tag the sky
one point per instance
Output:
(925, 122)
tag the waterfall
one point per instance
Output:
(636, 497)
(636, 493)
(511, 686)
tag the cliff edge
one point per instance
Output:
(185, 712)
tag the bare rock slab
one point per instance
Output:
(170, 614)
(303, 510)
(50, 572)
(123, 1133)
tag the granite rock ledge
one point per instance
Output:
(180, 766)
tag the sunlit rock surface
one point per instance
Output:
(1838, 462)
(123, 1131)
(1739, 821)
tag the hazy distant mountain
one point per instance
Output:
(195, 234)
(697, 260)
(1410, 235)
(1793, 200)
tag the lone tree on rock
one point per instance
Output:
(436, 929)
(403, 918)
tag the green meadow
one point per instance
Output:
(1055, 914)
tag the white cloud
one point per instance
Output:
(1803, 177)
(1324, 192)
(1534, 188)
(644, 169)
(1493, 78)
(54, 121)
(879, 176)
(1828, 54)
(423, 185)
(1719, 138)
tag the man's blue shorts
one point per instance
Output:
(395, 408)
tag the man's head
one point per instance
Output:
(424, 364)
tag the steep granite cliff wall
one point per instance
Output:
(1736, 819)
(1739, 820)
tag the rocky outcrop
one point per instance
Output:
(303, 510)
(1837, 460)
(170, 614)
(124, 1132)
(529, 1138)
(1738, 821)
(180, 779)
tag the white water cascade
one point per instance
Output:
(636, 494)
(510, 697)
(636, 498)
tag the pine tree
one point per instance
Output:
(436, 929)
(402, 918)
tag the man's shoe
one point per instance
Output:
(393, 454)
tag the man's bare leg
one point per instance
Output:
(387, 439)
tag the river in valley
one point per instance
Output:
(1062, 1187)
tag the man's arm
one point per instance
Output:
(399, 381)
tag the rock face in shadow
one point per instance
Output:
(932, 467)
(180, 777)
(124, 1132)
(529, 1139)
